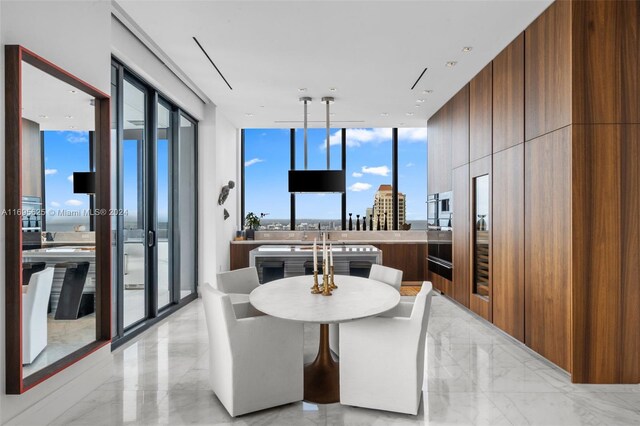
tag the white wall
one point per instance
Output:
(217, 165)
(227, 143)
(74, 36)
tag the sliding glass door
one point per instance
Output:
(155, 176)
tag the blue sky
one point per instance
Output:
(368, 166)
(65, 152)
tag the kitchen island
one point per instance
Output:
(295, 256)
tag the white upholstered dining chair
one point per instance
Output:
(238, 283)
(382, 359)
(34, 315)
(255, 361)
(384, 274)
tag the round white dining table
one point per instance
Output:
(355, 298)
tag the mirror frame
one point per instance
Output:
(14, 55)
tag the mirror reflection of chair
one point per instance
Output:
(34, 314)
(71, 294)
(384, 274)
(382, 359)
(255, 362)
(237, 283)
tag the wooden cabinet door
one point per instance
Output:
(439, 151)
(481, 114)
(407, 257)
(508, 96)
(480, 297)
(461, 247)
(548, 70)
(459, 127)
(547, 239)
(507, 278)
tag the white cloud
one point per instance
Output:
(360, 186)
(416, 134)
(356, 174)
(70, 178)
(54, 204)
(253, 161)
(379, 170)
(48, 172)
(410, 165)
(77, 137)
(359, 137)
(73, 202)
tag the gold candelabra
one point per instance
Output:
(315, 289)
(332, 283)
(326, 287)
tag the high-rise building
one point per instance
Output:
(383, 205)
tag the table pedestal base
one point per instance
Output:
(322, 376)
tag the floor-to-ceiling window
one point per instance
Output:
(370, 169)
(154, 199)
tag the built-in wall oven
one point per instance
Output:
(440, 254)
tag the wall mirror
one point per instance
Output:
(57, 221)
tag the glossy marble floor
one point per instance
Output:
(475, 375)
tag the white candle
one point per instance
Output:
(330, 255)
(315, 256)
(324, 247)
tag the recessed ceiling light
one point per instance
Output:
(332, 89)
(302, 89)
(417, 105)
(427, 91)
(409, 113)
(73, 91)
(72, 127)
(43, 116)
(402, 124)
(420, 101)
(451, 64)
(384, 114)
(467, 49)
(249, 114)
(68, 116)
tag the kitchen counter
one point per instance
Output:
(338, 242)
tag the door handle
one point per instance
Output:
(151, 239)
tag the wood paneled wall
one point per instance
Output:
(507, 277)
(508, 96)
(548, 246)
(458, 134)
(548, 71)
(461, 236)
(481, 114)
(570, 87)
(605, 253)
(606, 73)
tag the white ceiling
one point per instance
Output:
(54, 104)
(371, 52)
